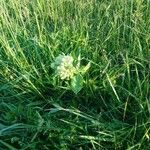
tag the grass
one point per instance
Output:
(112, 111)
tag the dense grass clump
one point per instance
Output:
(40, 111)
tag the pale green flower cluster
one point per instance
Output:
(63, 66)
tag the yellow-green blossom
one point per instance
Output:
(63, 66)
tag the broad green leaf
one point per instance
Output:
(77, 83)
(86, 68)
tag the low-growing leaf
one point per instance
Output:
(77, 83)
(86, 68)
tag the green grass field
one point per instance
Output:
(109, 109)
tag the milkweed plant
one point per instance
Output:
(70, 70)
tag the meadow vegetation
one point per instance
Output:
(40, 111)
